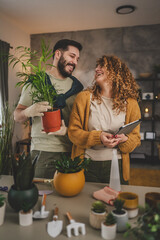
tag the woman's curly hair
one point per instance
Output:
(123, 83)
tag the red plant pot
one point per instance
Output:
(51, 121)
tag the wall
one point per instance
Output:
(14, 36)
(138, 46)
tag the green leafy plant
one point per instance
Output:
(98, 207)
(110, 219)
(6, 134)
(67, 165)
(2, 198)
(147, 226)
(118, 204)
(23, 171)
(34, 75)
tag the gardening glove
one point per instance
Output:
(106, 194)
(37, 109)
(61, 132)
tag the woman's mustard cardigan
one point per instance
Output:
(82, 138)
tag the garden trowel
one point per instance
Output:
(54, 227)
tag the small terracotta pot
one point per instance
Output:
(95, 219)
(108, 232)
(69, 184)
(25, 219)
(51, 121)
(2, 213)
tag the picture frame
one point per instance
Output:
(147, 96)
(150, 135)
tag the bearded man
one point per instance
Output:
(50, 146)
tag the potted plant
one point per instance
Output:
(69, 177)
(23, 194)
(97, 214)
(108, 227)
(156, 70)
(6, 134)
(2, 208)
(147, 226)
(35, 77)
(120, 214)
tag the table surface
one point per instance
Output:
(79, 207)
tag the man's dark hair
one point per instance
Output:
(64, 43)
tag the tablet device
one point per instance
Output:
(128, 127)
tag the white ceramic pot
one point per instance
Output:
(122, 220)
(108, 232)
(2, 213)
(132, 213)
(95, 219)
(25, 219)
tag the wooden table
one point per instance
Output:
(79, 206)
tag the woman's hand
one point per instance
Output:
(108, 140)
(121, 138)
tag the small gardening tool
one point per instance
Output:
(54, 227)
(76, 226)
(42, 180)
(42, 214)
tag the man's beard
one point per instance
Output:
(61, 67)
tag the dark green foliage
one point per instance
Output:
(147, 226)
(23, 171)
(110, 219)
(6, 134)
(2, 198)
(67, 165)
(118, 204)
(34, 75)
(98, 207)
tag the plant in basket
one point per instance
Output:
(34, 77)
(97, 214)
(69, 177)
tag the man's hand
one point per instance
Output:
(61, 132)
(37, 109)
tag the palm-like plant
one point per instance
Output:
(6, 134)
(67, 165)
(34, 75)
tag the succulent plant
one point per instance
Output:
(118, 204)
(2, 198)
(67, 165)
(110, 219)
(98, 207)
(23, 171)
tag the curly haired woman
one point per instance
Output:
(98, 112)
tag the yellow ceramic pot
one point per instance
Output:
(130, 200)
(69, 184)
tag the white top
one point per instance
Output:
(103, 117)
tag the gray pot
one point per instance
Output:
(122, 220)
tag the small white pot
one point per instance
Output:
(122, 220)
(25, 219)
(95, 219)
(132, 213)
(2, 213)
(108, 232)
